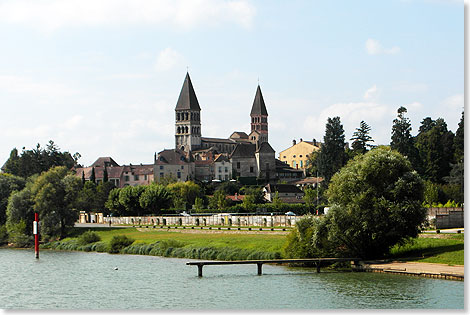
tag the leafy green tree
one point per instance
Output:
(459, 141)
(402, 140)
(8, 184)
(312, 163)
(129, 198)
(55, 196)
(361, 138)
(248, 203)
(277, 202)
(256, 194)
(20, 216)
(219, 200)
(86, 199)
(38, 160)
(184, 192)
(154, 198)
(332, 156)
(376, 203)
(435, 146)
(431, 193)
(310, 196)
(102, 192)
(229, 188)
(113, 204)
(198, 204)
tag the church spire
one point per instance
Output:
(259, 108)
(259, 117)
(187, 99)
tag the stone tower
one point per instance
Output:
(259, 117)
(188, 118)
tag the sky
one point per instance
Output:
(102, 78)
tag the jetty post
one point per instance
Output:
(36, 234)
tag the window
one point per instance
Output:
(251, 169)
(284, 157)
(126, 178)
(182, 167)
(161, 174)
(238, 164)
(161, 167)
(301, 163)
(179, 174)
(293, 156)
(136, 177)
(220, 177)
(145, 177)
(294, 164)
(226, 169)
(220, 169)
(300, 155)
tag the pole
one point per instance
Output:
(36, 234)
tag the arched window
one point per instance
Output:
(186, 128)
(186, 114)
(177, 116)
(192, 116)
(179, 130)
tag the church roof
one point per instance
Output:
(265, 148)
(244, 150)
(258, 107)
(187, 99)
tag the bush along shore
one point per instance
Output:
(121, 244)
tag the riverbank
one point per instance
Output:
(445, 249)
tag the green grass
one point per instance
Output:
(222, 246)
(448, 250)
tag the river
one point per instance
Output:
(79, 280)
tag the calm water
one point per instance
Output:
(79, 280)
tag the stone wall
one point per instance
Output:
(454, 219)
(206, 220)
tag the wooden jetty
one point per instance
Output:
(316, 261)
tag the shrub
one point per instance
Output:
(118, 242)
(88, 237)
(3, 235)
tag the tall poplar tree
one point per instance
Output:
(402, 140)
(332, 155)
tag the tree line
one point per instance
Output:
(436, 153)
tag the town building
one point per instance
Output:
(120, 176)
(298, 154)
(287, 193)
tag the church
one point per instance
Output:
(247, 157)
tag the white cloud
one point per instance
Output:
(371, 93)
(351, 114)
(454, 102)
(373, 47)
(54, 14)
(168, 59)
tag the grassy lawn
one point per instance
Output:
(265, 242)
(447, 249)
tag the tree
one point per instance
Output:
(113, 204)
(310, 196)
(184, 193)
(102, 192)
(332, 156)
(459, 141)
(86, 199)
(38, 160)
(20, 216)
(55, 195)
(219, 200)
(402, 140)
(230, 188)
(435, 147)
(361, 138)
(129, 198)
(198, 204)
(105, 174)
(154, 198)
(277, 202)
(8, 184)
(93, 176)
(375, 203)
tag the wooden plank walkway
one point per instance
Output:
(317, 261)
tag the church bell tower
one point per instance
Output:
(187, 118)
(259, 117)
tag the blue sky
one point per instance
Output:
(102, 78)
